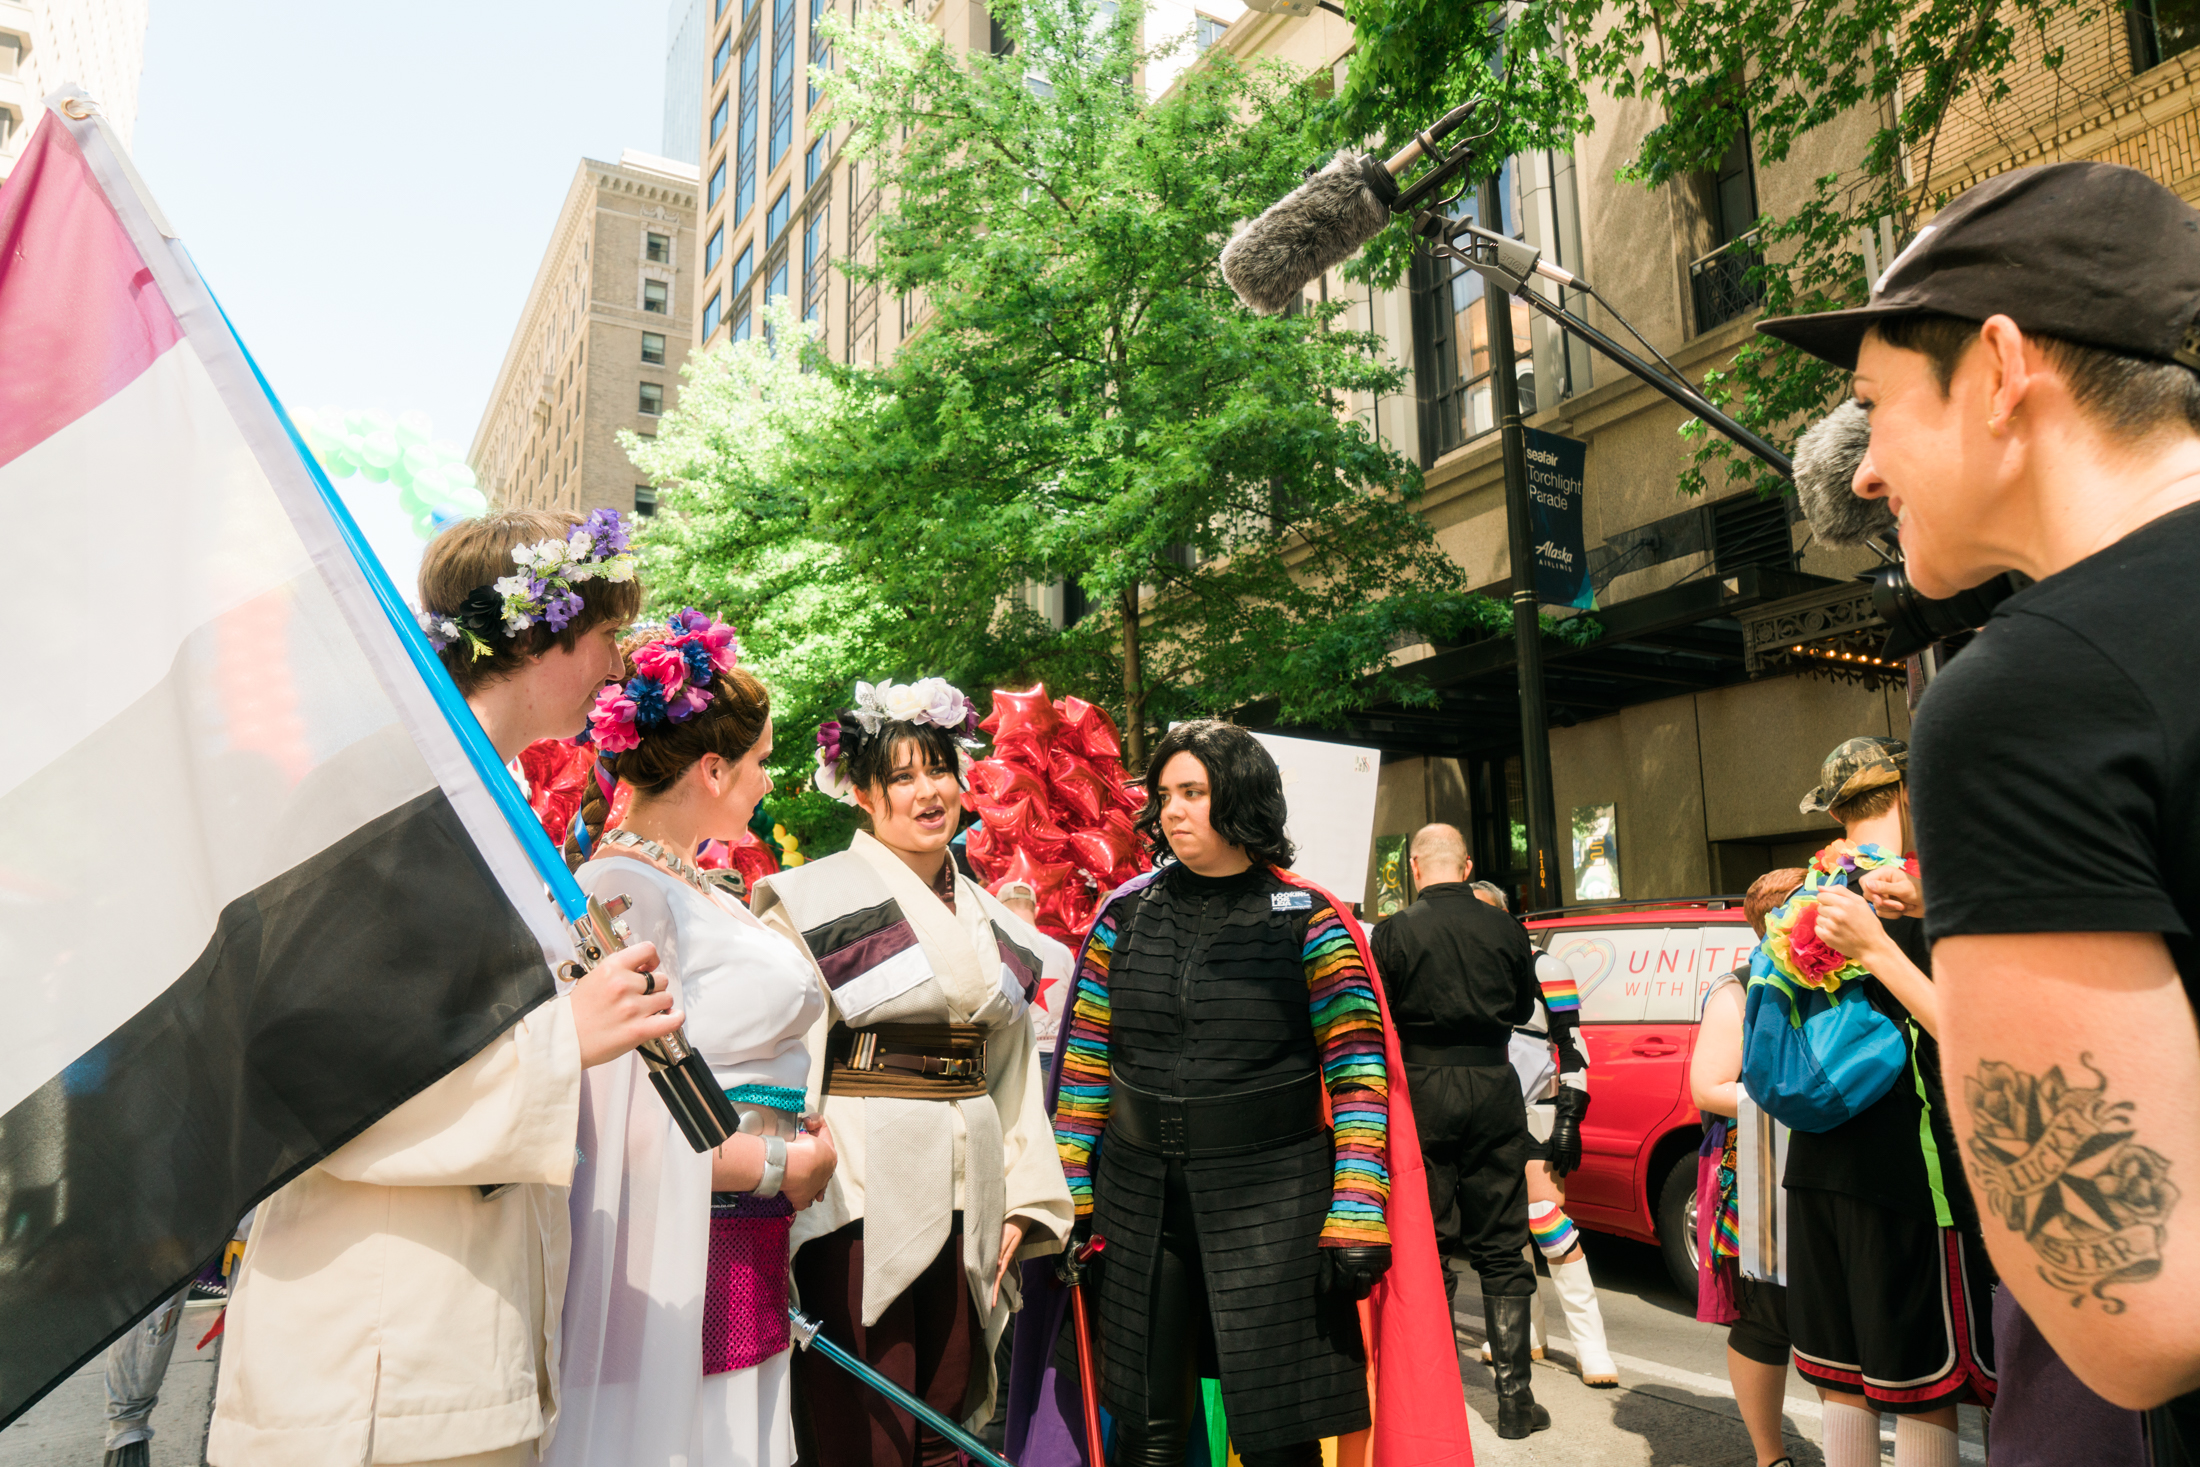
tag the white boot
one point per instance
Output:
(1585, 1322)
(1535, 1318)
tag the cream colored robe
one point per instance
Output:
(385, 1311)
(907, 1165)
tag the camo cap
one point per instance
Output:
(1857, 766)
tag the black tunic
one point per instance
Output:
(1209, 996)
(1457, 970)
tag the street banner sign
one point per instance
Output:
(1556, 468)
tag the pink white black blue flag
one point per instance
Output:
(263, 876)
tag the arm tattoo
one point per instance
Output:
(2058, 1163)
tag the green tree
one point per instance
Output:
(1783, 68)
(1086, 402)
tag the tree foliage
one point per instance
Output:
(1087, 402)
(1785, 69)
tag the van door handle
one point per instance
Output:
(1653, 1047)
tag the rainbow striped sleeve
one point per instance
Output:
(1561, 994)
(1348, 1029)
(1081, 1107)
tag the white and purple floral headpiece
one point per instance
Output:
(932, 700)
(541, 591)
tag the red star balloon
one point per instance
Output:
(1022, 716)
(1080, 788)
(1022, 825)
(1001, 781)
(1089, 727)
(1054, 883)
(985, 850)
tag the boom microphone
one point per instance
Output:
(1826, 460)
(1319, 224)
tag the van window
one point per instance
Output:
(1636, 975)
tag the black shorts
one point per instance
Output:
(1887, 1306)
(1761, 1334)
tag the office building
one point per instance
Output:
(599, 345)
(683, 78)
(97, 44)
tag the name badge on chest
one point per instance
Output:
(1291, 901)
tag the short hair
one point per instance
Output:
(1493, 893)
(1769, 891)
(472, 554)
(1245, 789)
(870, 757)
(2130, 398)
(1866, 805)
(1439, 842)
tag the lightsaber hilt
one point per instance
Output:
(698, 1104)
(806, 1334)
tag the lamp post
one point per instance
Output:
(1542, 888)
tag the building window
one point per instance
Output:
(2159, 29)
(656, 296)
(1720, 282)
(657, 248)
(1206, 30)
(744, 145)
(817, 160)
(725, 54)
(645, 500)
(717, 186)
(713, 250)
(782, 82)
(821, 55)
(775, 285)
(775, 218)
(1451, 339)
(11, 61)
(743, 268)
(710, 317)
(653, 348)
(653, 398)
(718, 119)
(815, 271)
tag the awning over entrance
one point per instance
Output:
(1685, 638)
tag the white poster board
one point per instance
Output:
(1330, 790)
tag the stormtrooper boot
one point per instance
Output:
(1585, 1323)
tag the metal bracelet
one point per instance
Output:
(775, 1167)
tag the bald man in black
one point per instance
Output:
(1460, 974)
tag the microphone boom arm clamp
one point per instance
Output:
(1511, 263)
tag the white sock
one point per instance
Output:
(1920, 1443)
(1852, 1436)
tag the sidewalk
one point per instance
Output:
(69, 1427)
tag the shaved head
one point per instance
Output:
(1439, 853)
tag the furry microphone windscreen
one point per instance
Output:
(1825, 465)
(1313, 228)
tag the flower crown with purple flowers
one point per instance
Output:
(931, 700)
(542, 592)
(671, 682)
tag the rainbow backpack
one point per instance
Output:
(1815, 1052)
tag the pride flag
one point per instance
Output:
(263, 876)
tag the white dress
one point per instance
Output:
(632, 1384)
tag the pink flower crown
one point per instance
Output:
(671, 682)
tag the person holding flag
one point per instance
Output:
(1230, 1117)
(399, 1301)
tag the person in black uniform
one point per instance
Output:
(1460, 974)
(1215, 1003)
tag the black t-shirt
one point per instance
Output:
(2056, 763)
(1880, 1156)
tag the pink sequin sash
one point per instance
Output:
(745, 1293)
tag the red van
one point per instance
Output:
(1643, 968)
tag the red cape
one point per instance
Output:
(1415, 1397)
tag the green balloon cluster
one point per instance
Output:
(433, 482)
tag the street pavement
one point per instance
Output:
(1673, 1407)
(69, 1427)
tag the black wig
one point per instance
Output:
(868, 759)
(1245, 789)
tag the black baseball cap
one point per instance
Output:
(2093, 253)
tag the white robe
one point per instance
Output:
(632, 1387)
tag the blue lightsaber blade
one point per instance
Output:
(806, 1335)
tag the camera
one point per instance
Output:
(1916, 621)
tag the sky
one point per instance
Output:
(369, 190)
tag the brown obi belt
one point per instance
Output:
(906, 1061)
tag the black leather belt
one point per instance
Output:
(1218, 1125)
(1456, 1054)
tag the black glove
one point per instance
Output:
(1571, 1105)
(1354, 1271)
(1068, 1268)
